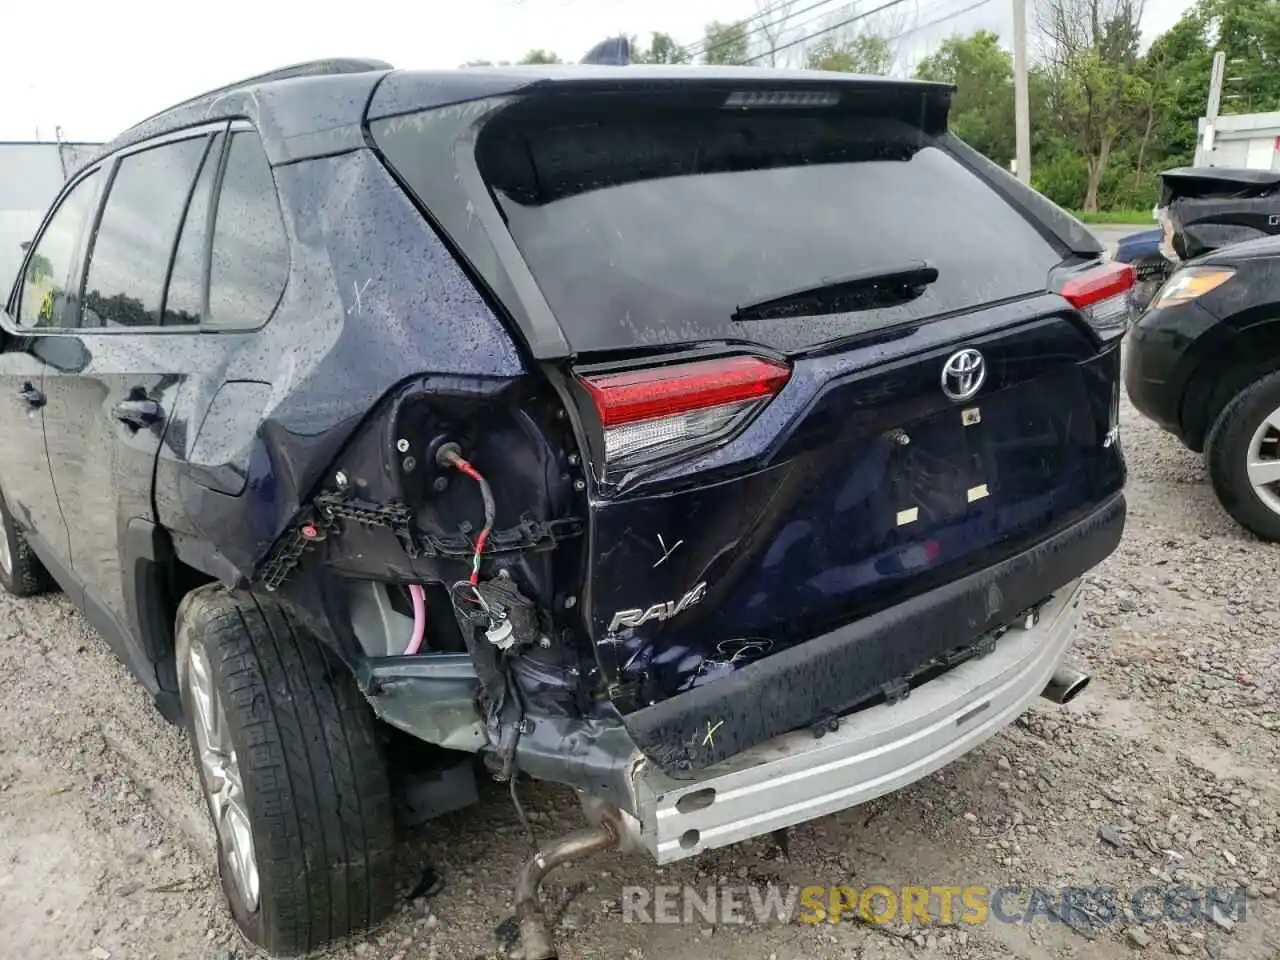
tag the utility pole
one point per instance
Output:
(1215, 102)
(1021, 93)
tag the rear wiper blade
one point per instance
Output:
(882, 286)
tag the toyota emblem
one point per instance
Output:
(963, 374)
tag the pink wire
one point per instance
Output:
(419, 597)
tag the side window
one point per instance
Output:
(184, 300)
(250, 250)
(139, 225)
(43, 291)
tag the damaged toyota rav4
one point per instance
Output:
(725, 445)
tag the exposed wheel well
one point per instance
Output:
(157, 581)
(1252, 354)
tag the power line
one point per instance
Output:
(701, 48)
(737, 38)
(695, 48)
(942, 19)
(826, 30)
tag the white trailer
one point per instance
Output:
(1244, 141)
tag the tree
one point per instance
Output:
(662, 49)
(772, 26)
(540, 56)
(1248, 32)
(724, 42)
(1095, 93)
(865, 53)
(982, 107)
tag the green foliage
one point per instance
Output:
(865, 53)
(725, 42)
(540, 56)
(1137, 217)
(982, 107)
(662, 49)
(1247, 31)
(39, 269)
(1061, 177)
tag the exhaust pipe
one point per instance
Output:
(535, 937)
(1065, 685)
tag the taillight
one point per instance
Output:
(663, 412)
(1102, 295)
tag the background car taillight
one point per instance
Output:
(663, 412)
(1102, 295)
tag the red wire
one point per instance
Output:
(475, 567)
(466, 468)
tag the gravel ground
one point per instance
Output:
(1163, 773)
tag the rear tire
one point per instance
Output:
(290, 763)
(21, 572)
(1243, 452)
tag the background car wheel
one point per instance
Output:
(21, 573)
(291, 767)
(1243, 456)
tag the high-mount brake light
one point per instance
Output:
(1102, 295)
(755, 99)
(660, 412)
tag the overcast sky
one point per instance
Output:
(94, 68)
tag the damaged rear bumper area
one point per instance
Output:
(829, 675)
(797, 777)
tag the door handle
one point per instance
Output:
(138, 413)
(31, 396)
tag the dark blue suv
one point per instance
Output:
(727, 445)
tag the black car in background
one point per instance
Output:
(1204, 362)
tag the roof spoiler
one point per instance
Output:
(614, 52)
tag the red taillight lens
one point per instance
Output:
(663, 411)
(1101, 283)
(682, 388)
(1102, 295)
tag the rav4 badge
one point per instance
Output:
(659, 611)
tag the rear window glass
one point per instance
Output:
(654, 227)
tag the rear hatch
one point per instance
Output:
(1206, 208)
(810, 342)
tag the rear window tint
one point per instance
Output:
(654, 228)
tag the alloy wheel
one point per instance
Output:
(1263, 465)
(220, 778)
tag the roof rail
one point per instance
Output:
(309, 68)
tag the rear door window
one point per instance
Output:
(184, 302)
(129, 260)
(655, 229)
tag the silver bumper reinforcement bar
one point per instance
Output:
(797, 777)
